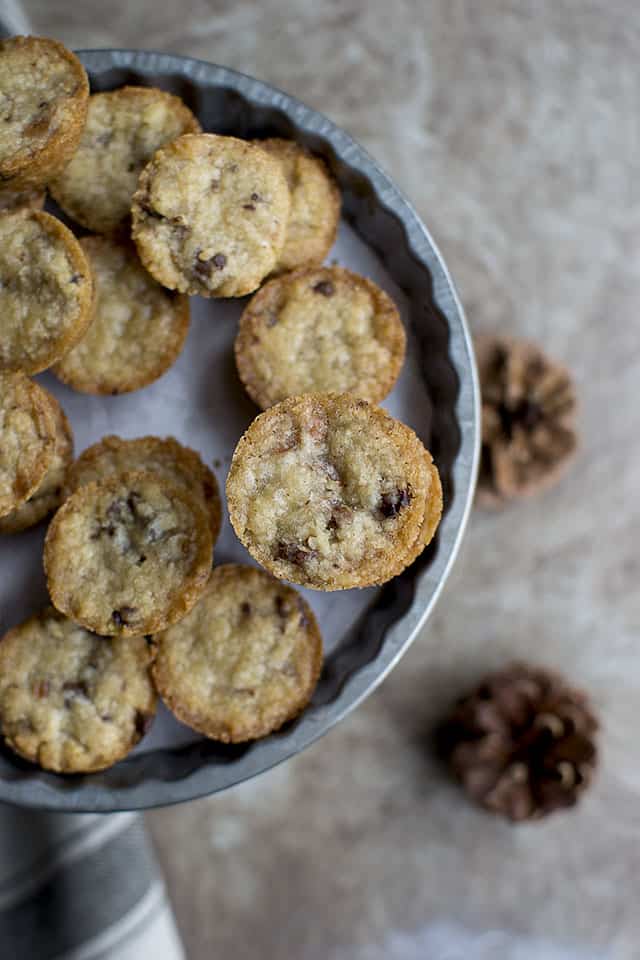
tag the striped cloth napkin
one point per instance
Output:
(79, 886)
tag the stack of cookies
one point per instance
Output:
(325, 489)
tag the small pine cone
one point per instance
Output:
(522, 744)
(528, 419)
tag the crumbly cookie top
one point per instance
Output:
(244, 660)
(316, 330)
(70, 700)
(315, 204)
(137, 329)
(328, 491)
(38, 80)
(124, 129)
(210, 215)
(45, 290)
(128, 556)
(162, 456)
(27, 438)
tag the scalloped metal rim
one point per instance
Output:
(34, 788)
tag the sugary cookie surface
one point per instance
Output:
(164, 456)
(245, 660)
(70, 700)
(315, 204)
(48, 495)
(128, 556)
(27, 438)
(318, 330)
(137, 329)
(124, 129)
(45, 290)
(210, 215)
(329, 491)
(43, 102)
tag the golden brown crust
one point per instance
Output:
(128, 556)
(112, 456)
(319, 329)
(124, 129)
(46, 290)
(432, 515)
(209, 216)
(244, 661)
(71, 701)
(315, 204)
(48, 495)
(137, 330)
(329, 491)
(42, 147)
(27, 438)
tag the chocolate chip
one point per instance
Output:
(150, 211)
(255, 198)
(104, 138)
(330, 470)
(204, 268)
(339, 513)
(281, 607)
(76, 278)
(245, 608)
(142, 560)
(41, 689)
(325, 287)
(392, 503)
(294, 553)
(122, 616)
(133, 500)
(115, 509)
(109, 529)
(215, 184)
(142, 722)
(75, 688)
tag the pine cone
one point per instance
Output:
(522, 744)
(528, 419)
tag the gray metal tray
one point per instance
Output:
(366, 632)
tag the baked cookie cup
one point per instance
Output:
(71, 701)
(329, 491)
(319, 329)
(244, 661)
(210, 214)
(128, 556)
(46, 291)
(44, 92)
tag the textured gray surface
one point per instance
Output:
(513, 126)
